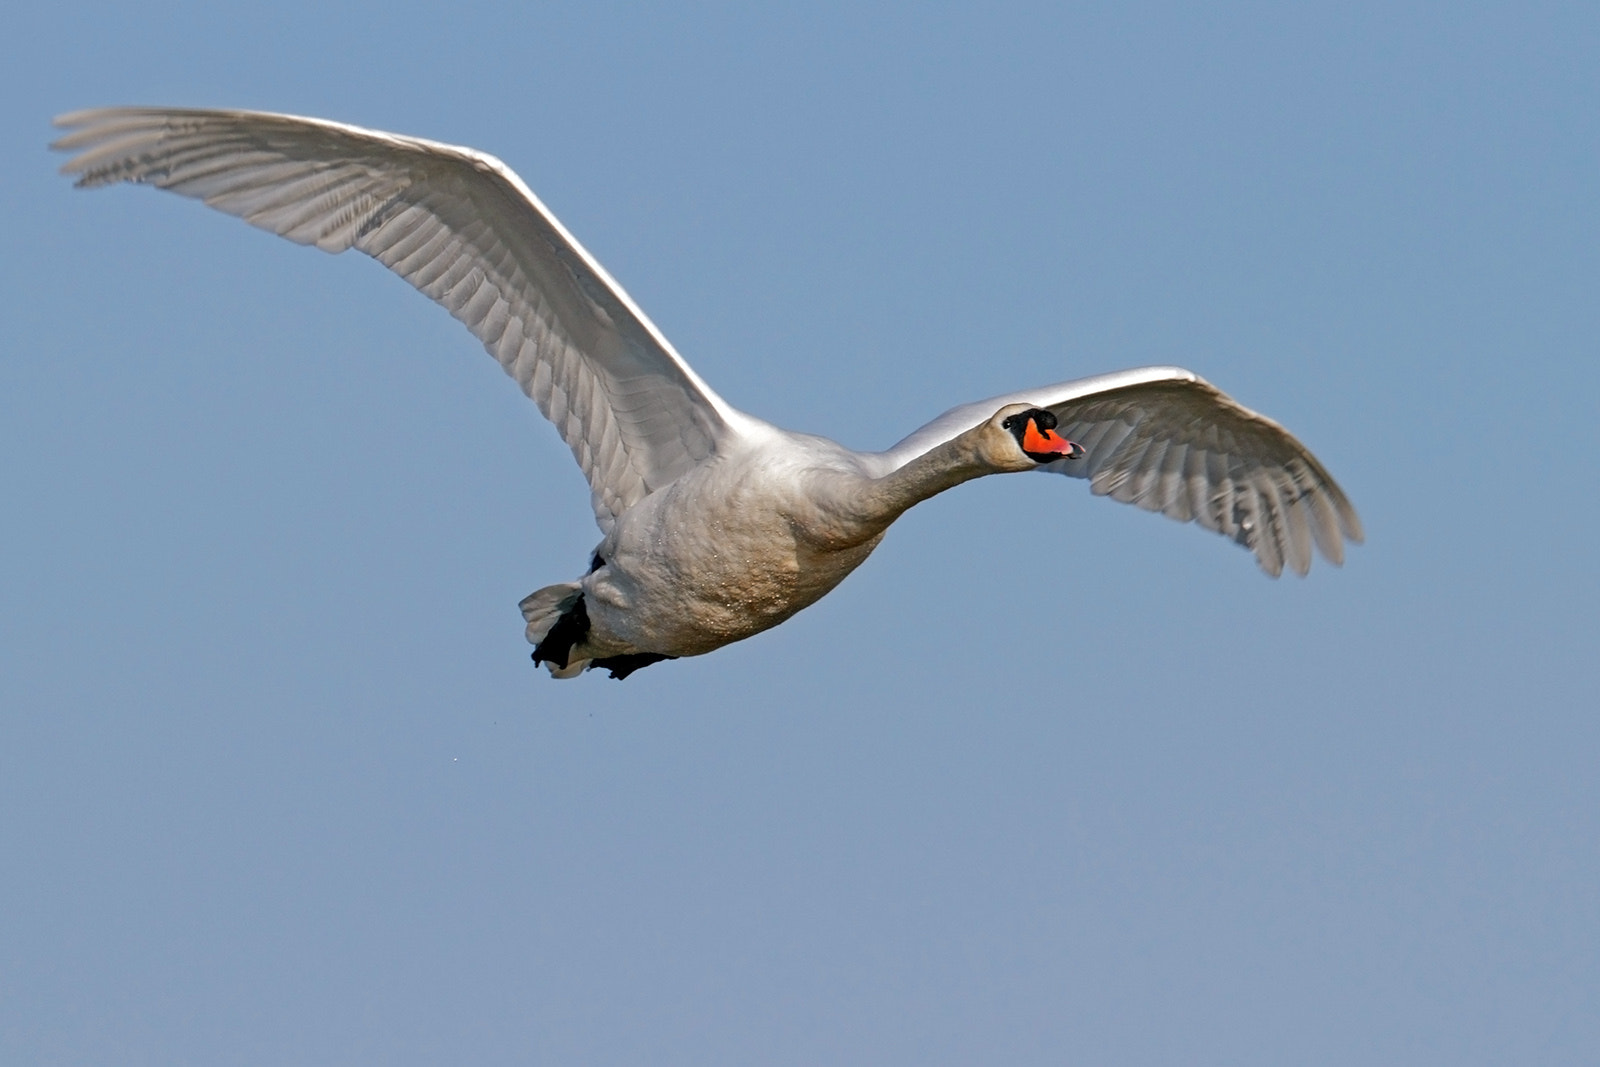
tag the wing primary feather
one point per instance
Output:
(1296, 522)
(1270, 543)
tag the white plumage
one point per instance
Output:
(716, 525)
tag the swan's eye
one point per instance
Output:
(1043, 416)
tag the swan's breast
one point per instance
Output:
(732, 548)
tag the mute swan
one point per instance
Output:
(716, 525)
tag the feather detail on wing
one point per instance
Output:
(1168, 441)
(462, 228)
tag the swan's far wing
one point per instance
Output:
(461, 227)
(1168, 441)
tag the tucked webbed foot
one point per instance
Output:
(622, 666)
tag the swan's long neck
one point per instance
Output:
(943, 467)
(865, 507)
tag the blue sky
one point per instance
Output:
(1048, 780)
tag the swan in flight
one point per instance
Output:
(716, 525)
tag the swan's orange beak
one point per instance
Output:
(1037, 442)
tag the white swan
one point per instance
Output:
(716, 525)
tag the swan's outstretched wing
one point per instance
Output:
(1165, 439)
(465, 230)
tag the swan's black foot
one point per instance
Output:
(622, 666)
(569, 630)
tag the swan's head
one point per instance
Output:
(1034, 431)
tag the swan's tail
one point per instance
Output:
(543, 611)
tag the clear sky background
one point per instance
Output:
(1048, 780)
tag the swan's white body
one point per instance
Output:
(716, 525)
